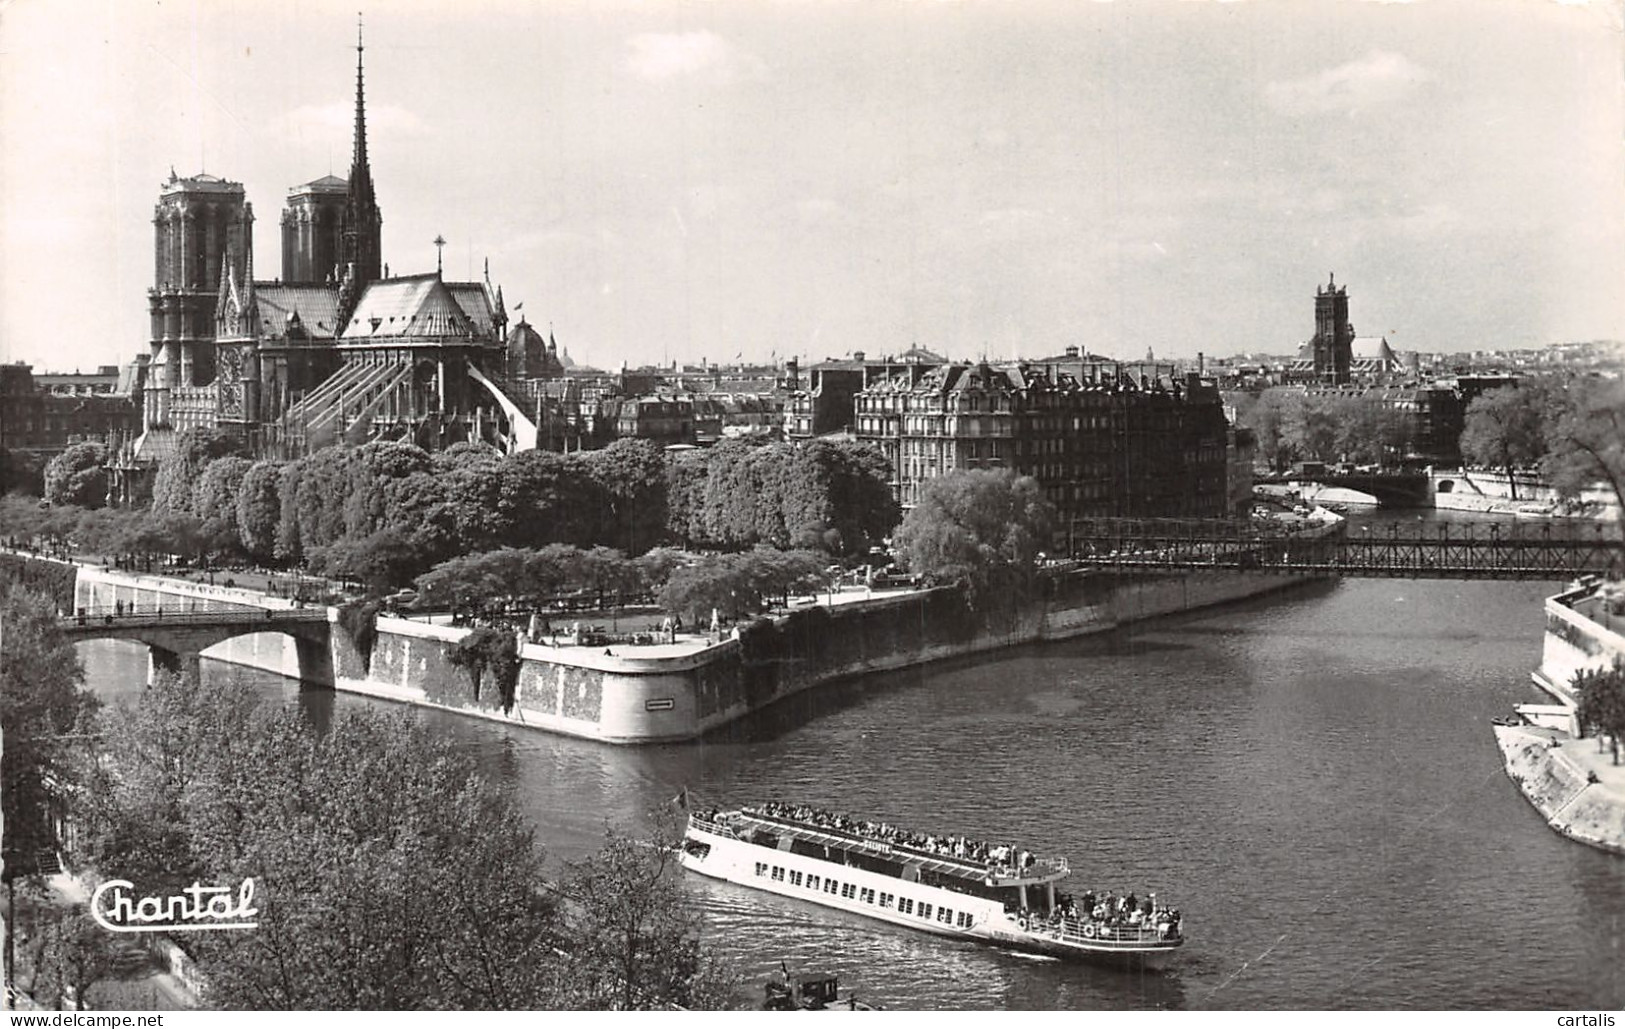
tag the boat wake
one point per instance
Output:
(1025, 956)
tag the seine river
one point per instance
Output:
(1311, 778)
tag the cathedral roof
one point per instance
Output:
(325, 184)
(417, 305)
(317, 307)
(475, 302)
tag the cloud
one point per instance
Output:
(388, 119)
(666, 55)
(1378, 78)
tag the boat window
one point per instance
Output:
(847, 889)
(925, 910)
(812, 882)
(830, 886)
(795, 878)
(761, 868)
(885, 900)
(964, 920)
(778, 874)
(867, 896)
(905, 905)
(945, 916)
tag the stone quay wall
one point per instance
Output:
(1574, 643)
(668, 694)
(1572, 802)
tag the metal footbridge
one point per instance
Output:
(1447, 551)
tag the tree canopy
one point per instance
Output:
(43, 712)
(983, 529)
(1503, 429)
(392, 875)
(78, 476)
(1601, 696)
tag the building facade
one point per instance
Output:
(1103, 447)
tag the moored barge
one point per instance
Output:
(946, 885)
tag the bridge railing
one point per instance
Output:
(103, 616)
(1455, 551)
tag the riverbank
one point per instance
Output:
(1576, 788)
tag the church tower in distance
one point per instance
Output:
(1333, 345)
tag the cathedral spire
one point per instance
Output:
(363, 224)
(358, 159)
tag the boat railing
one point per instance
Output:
(1078, 930)
(1041, 868)
(710, 826)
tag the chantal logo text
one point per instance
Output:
(197, 908)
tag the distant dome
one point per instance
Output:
(528, 354)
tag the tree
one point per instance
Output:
(1503, 430)
(74, 955)
(1585, 437)
(214, 501)
(289, 546)
(1268, 417)
(1309, 427)
(375, 469)
(983, 529)
(44, 711)
(631, 473)
(1369, 431)
(78, 476)
(1601, 696)
(426, 894)
(381, 561)
(174, 487)
(259, 509)
(633, 944)
(543, 497)
(324, 483)
(21, 472)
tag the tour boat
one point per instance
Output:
(941, 884)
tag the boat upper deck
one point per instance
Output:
(994, 865)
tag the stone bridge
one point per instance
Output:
(1392, 489)
(176, 637)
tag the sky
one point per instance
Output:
(663, 180)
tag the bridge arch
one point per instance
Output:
(175, 641)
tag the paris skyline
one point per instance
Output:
(671, 181)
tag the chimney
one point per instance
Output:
(1071, 351)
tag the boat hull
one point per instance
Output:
(897, 901)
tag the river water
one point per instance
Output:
(1310, 777)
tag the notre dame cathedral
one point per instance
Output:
(335, 350)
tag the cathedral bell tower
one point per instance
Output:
(203, 229)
